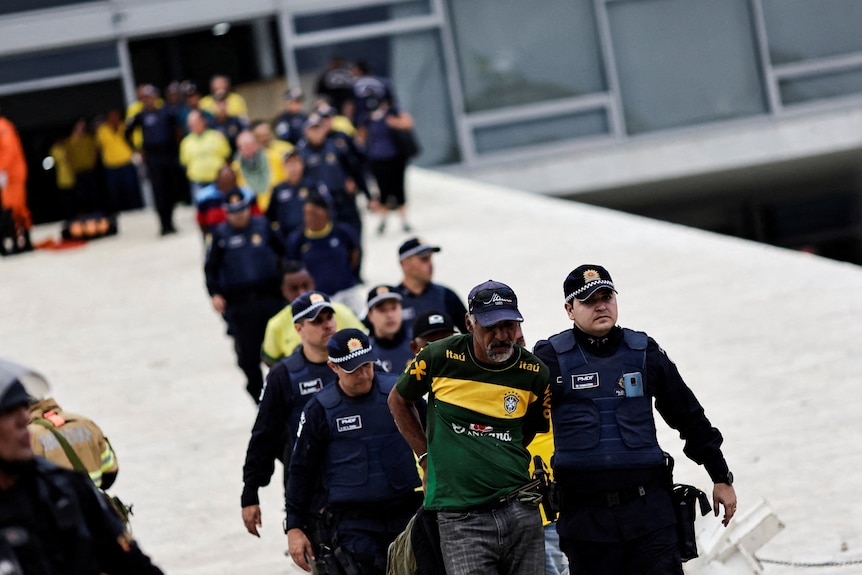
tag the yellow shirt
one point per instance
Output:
(203, 155)
(543, 445)
(235, 105)
(116, 151)
(281, 338)
(344, 125)
(65, 173)
(82, 153)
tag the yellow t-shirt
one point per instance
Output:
(281, 338)
(235, 105)
(112, 143)
(344, 125)
(82, 153)
(203, 155)
(65, 173)
(542, 445)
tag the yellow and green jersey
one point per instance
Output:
(478, 414)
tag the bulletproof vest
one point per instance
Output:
(323, 164)
(368, 459)
(248, 258)
(394, 358)
(433, 299)
(306, 379)
(596, 425)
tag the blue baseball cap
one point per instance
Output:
(492, 302)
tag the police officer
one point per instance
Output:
(330, 251)
(52, 520)
(419, 293)
(285, 210)
(387, 335)
(431, 326)
(616, 515)
(330, 161)
(289, 385)
(243, 280)
(288, 124)
(160, 129)
(348, 441)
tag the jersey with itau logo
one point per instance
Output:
(477, 415)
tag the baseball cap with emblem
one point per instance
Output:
(432, 322)
(349, 349)
(236, 201)
(415, 246)
(309, 305)
(583, 281)
(381, 293)
(492, 302)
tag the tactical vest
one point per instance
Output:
(595, 425)
(395, 358)
(248, 258)
(432, 299)
(368, 459)
(303, 385)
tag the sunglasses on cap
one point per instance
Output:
(487, 296)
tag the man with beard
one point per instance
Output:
(52, 520)
(485, 405)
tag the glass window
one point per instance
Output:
(414, 64)
(12, 6)
(359, 16)
(512, 53)
(803, 29)
(677, 66)
(820, 86)
(36, 66)
(542, 131)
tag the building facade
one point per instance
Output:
(620, 102)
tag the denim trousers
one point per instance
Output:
(556, 562)
(505, 541)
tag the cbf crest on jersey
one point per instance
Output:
(510, 402)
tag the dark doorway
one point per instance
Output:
(46, 115)
(199, 55)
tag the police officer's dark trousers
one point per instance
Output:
(247, 315)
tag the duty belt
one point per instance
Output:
(606, 499)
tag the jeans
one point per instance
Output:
(556, 562)
(505, 541)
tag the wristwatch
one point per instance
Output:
(726, 478)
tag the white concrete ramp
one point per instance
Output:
(768, 339)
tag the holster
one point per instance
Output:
(684, 499)
(548, 489)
